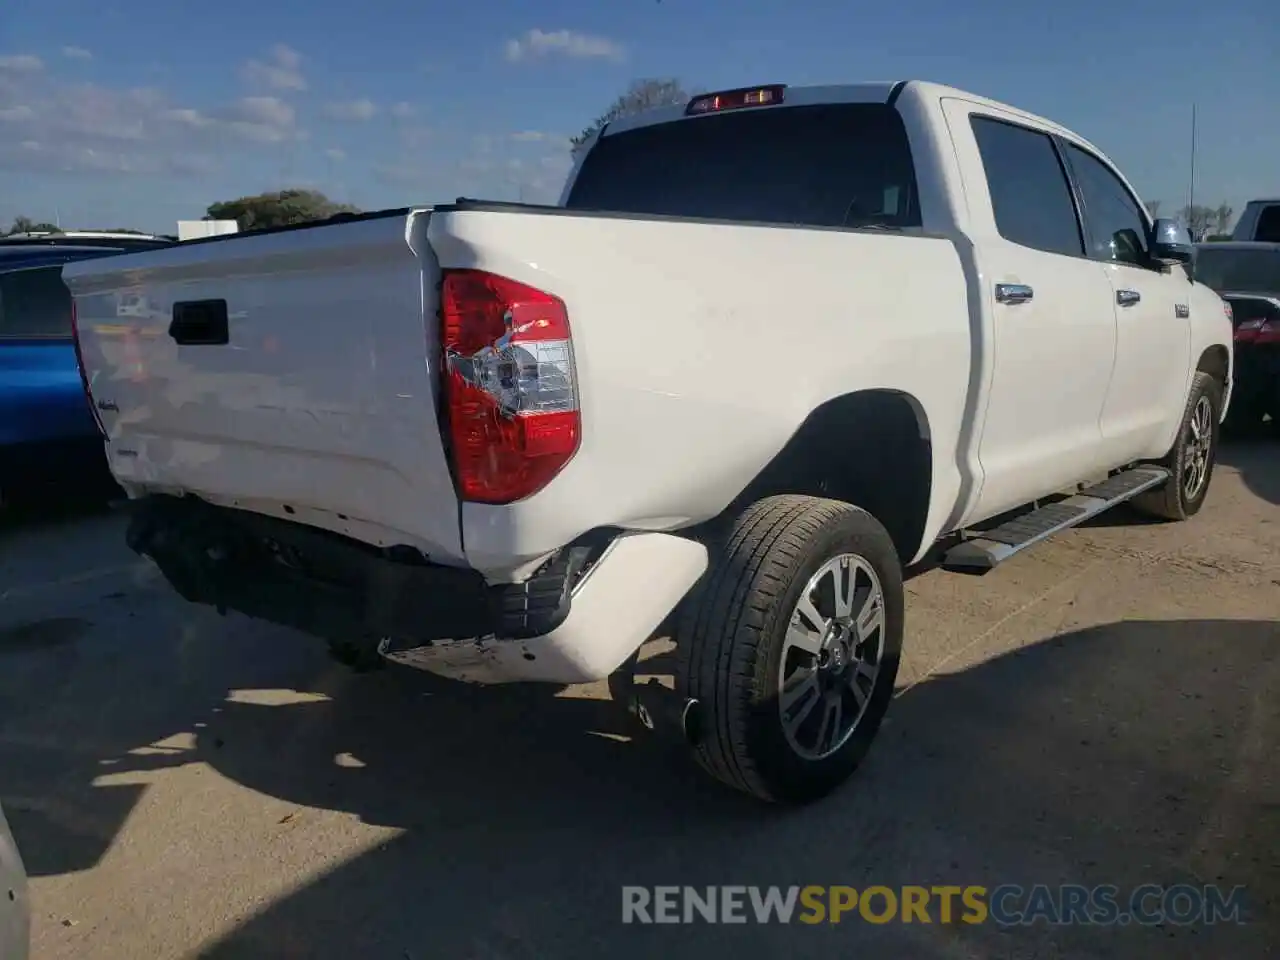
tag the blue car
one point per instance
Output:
(50, 442)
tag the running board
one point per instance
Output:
(989, 548)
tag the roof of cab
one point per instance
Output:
(874, 91)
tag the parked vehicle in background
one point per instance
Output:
(1260, 221)
(50, 444)
(772, 346)
(1247, 275)
(15, 909)
(33, 249)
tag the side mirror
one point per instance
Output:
(1169, 243)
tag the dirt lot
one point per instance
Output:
(1105, 709)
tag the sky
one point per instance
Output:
(138, 113)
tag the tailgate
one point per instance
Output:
(293, 373)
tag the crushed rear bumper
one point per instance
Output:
(574, 621)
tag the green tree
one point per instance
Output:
(1222, 217)
(27, 225)
(641, 95)
(278, 209)
(1198, 219)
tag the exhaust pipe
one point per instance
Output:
(662, 711)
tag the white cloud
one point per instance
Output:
(530, 136)
(402, 110)
(416, 136)
(351, 110)
(76, 53)
(282, 71)
(264, 119)
(20, 63)
(48, 125)
(334, 153)
(540, 43)
(258, 119)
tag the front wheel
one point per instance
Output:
(791, 647)
(1190, 462)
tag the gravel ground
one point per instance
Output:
(1104, 709)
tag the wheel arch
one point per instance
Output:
(1215, 361)
(872, 448)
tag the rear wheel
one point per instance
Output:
(1190, 462)
(791, 647)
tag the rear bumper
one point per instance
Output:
(576, 620)
(617, 605)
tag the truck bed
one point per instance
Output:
(691, 342)
(322, 400)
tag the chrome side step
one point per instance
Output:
(988, 548)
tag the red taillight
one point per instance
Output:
(509, 385)
(765, 96)
(1257, 331)
(84, 376)
(1247, 331)
(1269, 332)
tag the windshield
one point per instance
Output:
(1240, 270)
(829, 165)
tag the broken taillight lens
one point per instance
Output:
(509, 385)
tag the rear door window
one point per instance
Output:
(35, 304)
(827, 165)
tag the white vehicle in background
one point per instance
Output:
(770, 348)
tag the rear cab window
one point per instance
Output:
(822, 165)
(34, 304)
(1268, 226)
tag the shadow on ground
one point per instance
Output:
(1258, 460)
(1139, 752)
(50, 515)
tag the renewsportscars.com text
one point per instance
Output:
(1004, 905)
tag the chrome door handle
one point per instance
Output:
(1127, 298)
(1013, 293)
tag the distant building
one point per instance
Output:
(196, 229)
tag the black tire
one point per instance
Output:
(730, 643)
(1172, 501)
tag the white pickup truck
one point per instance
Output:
(769, 349)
